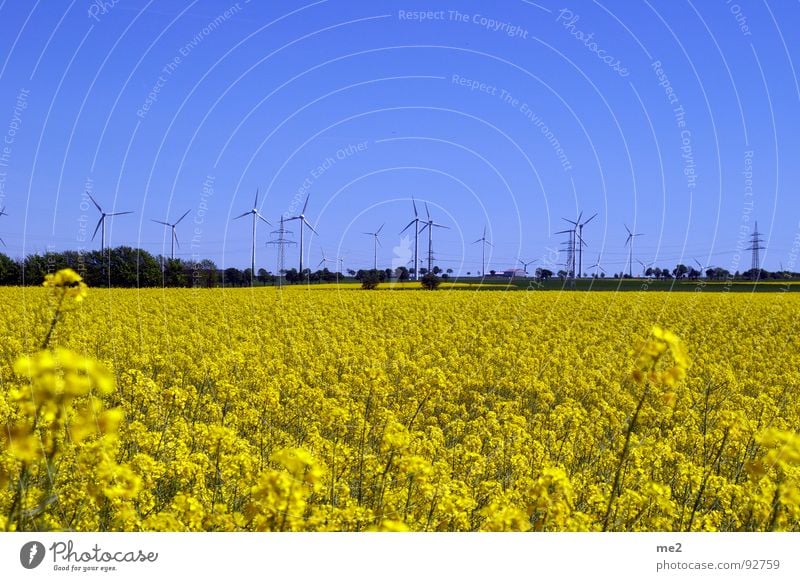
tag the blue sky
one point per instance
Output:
(675, 118)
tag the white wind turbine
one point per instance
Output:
(174, 234)
(324, 262)
(303, 222)
(526, 264)
(101, 223)
(483, 242)
(415, 223)
(256, 216)
(430, 225)
(375, 244)
(628, 241)
(3, 213)
(597, 267)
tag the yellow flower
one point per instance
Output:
(650, 357)
(69, 282)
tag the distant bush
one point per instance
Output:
(370, 280)
(430, 281)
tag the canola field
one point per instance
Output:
(322, 410)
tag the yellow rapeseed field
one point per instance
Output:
(317, 410)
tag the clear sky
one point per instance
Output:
(676, 118)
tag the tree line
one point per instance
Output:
(125, 266)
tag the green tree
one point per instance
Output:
(10, 273)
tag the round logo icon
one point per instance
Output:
(31, 554)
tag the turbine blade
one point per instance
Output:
(421, 230)
(118, 213)
(415, 206)
(175, 236)
(381, 228)
(427, 212)
(182, 217)
(255, 203)
(3, 242)
(590, 219)
(96, 205)
(160, 222)
(478, 240)
(243, 215)
(628, 229)
(306, 204)
(262, 218)
(378, 240)
(100, 221)
(407, 227)
(310, 227)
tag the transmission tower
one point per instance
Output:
(279, 239)
(755, 247)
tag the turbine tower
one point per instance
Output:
(430, 225)
(755, 247)
(375, 244)
(174, 235)
(303, 222)
(483, 242)
(415, 223)
(629, 241)
(101, 223)
(256, 216)
(581, 243)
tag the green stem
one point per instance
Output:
(623, 456)
(54, 321)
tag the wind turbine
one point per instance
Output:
(597, 267)
(415, 223)
(644, 266)
(483, 242)
(174, 235)
(525, 264)
(629, 241)
(323, 263)
(256, 216)
(375, 244)
(303, 222)
(704, 268)
(3, 213)
(101, 223)
(430, 225)
(581, 243)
